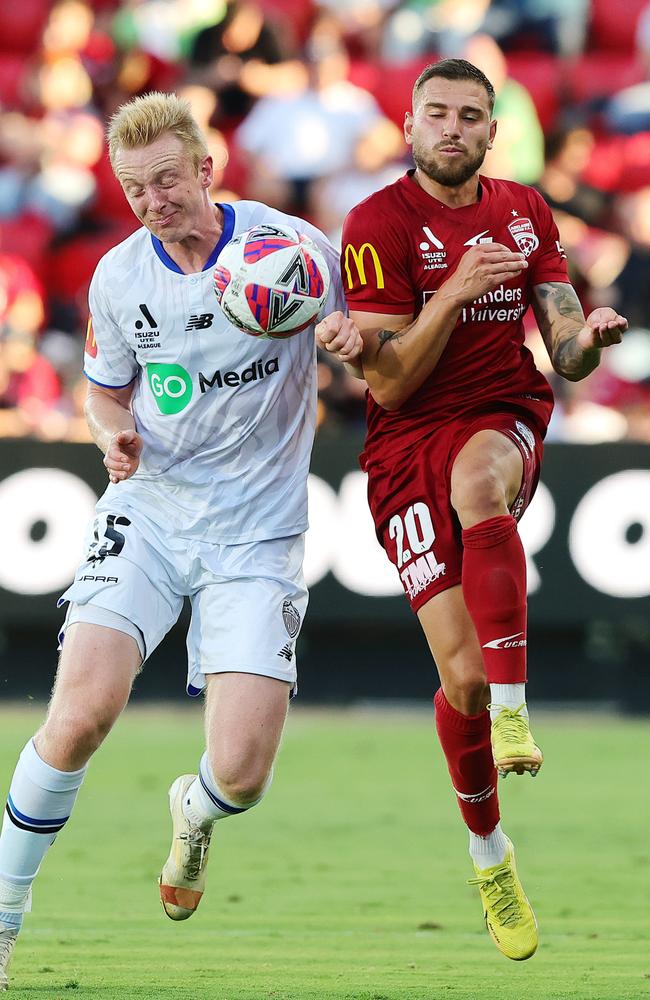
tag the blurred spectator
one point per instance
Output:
(29, 387)
(308, 86)
(296, 138)
(417, 27)
(567, 153)
(518, 155)
(633, 213)
(377, 162)
(558, 26)
(242, 56)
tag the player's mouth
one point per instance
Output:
(450, 150)
(164, 221)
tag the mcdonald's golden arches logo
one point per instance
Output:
(90, 346)
(359, 260)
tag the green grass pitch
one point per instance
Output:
(348, 883)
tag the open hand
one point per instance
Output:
(122, 456)
(603, 328)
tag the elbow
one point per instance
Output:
(387, 398)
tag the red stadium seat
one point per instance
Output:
(601, 74)
(620, 163)
(21, 24)
(28, 236)
(613, 25)
(71, 267)
(390, 84)
(13, 71)
(540, 73)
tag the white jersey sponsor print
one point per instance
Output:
(227, 419)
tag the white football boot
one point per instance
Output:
(182, 880)
(8, 937)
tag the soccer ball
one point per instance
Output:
(271, 281)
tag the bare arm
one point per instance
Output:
(573, 342)
(112, 426)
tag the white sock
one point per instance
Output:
(507, 696)
(205, 803)
(486, 852)
(39, 804)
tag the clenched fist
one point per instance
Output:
(338, 335)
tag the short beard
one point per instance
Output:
(452, 175)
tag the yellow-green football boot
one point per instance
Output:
(513, 746)
(508, 915)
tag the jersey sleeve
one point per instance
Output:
(108, 359)
(374, 265)
(550, 263)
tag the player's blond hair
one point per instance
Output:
(144, 119)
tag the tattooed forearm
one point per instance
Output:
(571, 361)
(560, 319)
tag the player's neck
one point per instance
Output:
(452, 197)
(193, 251)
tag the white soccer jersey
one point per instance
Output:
(227, 419)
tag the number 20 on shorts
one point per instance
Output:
(416, 529)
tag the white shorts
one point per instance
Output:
(248, 600)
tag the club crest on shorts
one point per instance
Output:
(291, 618)
(523, 234)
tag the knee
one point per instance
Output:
(241, 786)
(477, 494)
(69, 738)
(464, 683)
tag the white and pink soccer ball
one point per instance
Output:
(271, 281)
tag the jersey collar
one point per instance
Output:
(226, 236)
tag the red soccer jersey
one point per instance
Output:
(399, 246)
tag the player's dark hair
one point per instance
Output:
(454, 69)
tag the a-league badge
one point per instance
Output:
(523, 234)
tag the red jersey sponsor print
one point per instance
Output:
(399, 246)
(90, 346)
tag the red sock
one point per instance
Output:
(465, 740)
(494, 588)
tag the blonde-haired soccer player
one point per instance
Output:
(206, 435)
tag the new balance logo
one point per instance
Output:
(287, 652)
(507, 642)
(201, 322)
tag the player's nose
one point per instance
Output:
(450, 129)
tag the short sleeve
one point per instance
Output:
(374, 264)
(550, 263)
(108, 360)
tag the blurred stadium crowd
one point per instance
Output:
(303, 104)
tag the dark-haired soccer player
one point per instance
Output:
(440, 268)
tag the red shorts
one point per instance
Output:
(410, 500)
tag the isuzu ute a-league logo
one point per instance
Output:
(291, 618)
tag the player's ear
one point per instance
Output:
(493, 132)
(408, 127)
(206, 172)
